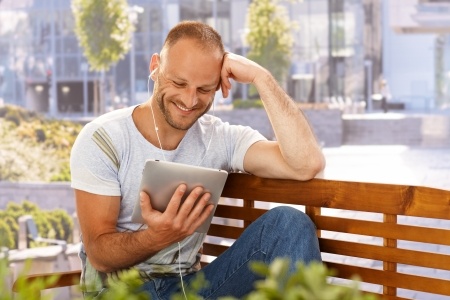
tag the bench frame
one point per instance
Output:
(391, 204)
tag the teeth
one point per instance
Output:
(183, 108)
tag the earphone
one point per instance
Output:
(164, 157)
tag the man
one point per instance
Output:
(109, 154)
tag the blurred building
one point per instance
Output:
(42, 66)
(416, 49)
(342, 50)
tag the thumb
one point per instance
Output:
(146, 207)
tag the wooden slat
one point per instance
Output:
(386, 230)
(403, 281)
(213, 249)
(67, 278)
(402, 256)
(229, 232)
(360, 196)
(248, 203)
(389, 265)
(238, 212)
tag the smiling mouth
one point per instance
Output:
(184, 108)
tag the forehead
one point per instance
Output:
(188, 60)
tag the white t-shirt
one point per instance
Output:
(108, 158)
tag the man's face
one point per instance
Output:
(186, 80)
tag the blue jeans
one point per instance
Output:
(280, 232)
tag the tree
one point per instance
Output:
(103, 29)
(270, 37)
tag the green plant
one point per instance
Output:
(103, 29)
(56, 224)
(192, 290)
(270, 46)
(6, 236)
(34, 148)
(308, 282)
(125, 287)
(244, 104)
(26, 290)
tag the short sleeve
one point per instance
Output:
(94, 162)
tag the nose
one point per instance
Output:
(190, 98)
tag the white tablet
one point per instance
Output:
(161, 178)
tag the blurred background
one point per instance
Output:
(372, 77)
(342, 53)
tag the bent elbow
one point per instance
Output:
(101, 267)
(314, 168)
(97, 261)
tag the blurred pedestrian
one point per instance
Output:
(386, 95)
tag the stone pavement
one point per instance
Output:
(397, 165)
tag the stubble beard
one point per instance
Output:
(161, 101)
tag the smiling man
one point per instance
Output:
(109, 154)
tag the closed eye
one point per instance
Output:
(179, 84)
(205, 91)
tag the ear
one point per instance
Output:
(154, 66)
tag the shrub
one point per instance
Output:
(239, 103)
(13, 117)
(34, 148)
(27, 291)
(56, 224)
(40, 135)
(64, 173)
(306, 283)
(6, 236)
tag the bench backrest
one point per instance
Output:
(378, 231)
(392, 236)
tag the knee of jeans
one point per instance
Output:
(292, 217)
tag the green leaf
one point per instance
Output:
(104, 30)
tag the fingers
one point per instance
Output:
(175, 201)
(146, 206)
(181, 218)
(194, 210)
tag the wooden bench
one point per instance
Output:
(378, 231)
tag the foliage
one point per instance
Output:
(270, 37)
(103, 29)
(34, 148)
(54, 224)
(26, 290)
(193, 289)
(306, 283)
(126, 287)
(238, 103)
(6, 236)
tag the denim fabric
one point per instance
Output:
(281, 232)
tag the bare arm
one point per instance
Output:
(296, 153)
(109, 250)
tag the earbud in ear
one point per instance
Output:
(152, 74)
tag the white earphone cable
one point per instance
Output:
(179, 269)
(162, 152)
(154, 121)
